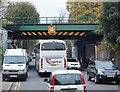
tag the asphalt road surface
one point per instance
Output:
(35, 82)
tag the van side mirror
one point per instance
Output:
(92, 66)
(27, 63)
(116, 67)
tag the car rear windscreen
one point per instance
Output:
(68, 79)
(72, 60)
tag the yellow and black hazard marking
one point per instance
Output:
(53, 34)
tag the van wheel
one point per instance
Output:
(27, 74)
(25, 79)
(3, 78)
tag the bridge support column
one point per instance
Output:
(75, 51)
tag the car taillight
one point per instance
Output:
(52, 84)
(84, 88)
(41, 63)
(65, 62)
(83, 82)
(51, 89)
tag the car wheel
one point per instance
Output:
(88, 77)
(96, 80)
(117, 82)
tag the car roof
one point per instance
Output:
(15, 52)
(102, 61)
(66, 72)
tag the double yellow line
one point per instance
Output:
(15, 87)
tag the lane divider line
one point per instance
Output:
(10, 87)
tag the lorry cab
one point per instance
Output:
(15, 64)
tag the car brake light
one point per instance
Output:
(83, 82)
(42, 63)
(51, 89)
(64, 63)
(52, 86)
(84, 88)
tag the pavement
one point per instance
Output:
(4, 85)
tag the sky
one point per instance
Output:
(48, 8)
(53, 8)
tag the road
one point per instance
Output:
(35, 82)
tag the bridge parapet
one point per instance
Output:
(50, 20)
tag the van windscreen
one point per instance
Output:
(14, 60)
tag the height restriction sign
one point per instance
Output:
(51, 29)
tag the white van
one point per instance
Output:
(15, 64)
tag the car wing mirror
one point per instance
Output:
(92, 66)
(116, 67)
(35, 50)
(46, 80)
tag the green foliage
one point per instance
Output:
(22, 12)
(19, 13)
(89, 10)
(118, 39)
(110, 21)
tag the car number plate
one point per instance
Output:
(69, 91)
(53, 64)
(13, 75)
(110, 75)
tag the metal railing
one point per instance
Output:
(50, 20)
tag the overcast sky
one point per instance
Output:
(48, 8)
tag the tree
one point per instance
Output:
(89, 10)
(19, 12)
(22, 12)
(110, 21)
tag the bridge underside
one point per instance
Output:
(82, 32)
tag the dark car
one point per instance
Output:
(103, 70)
